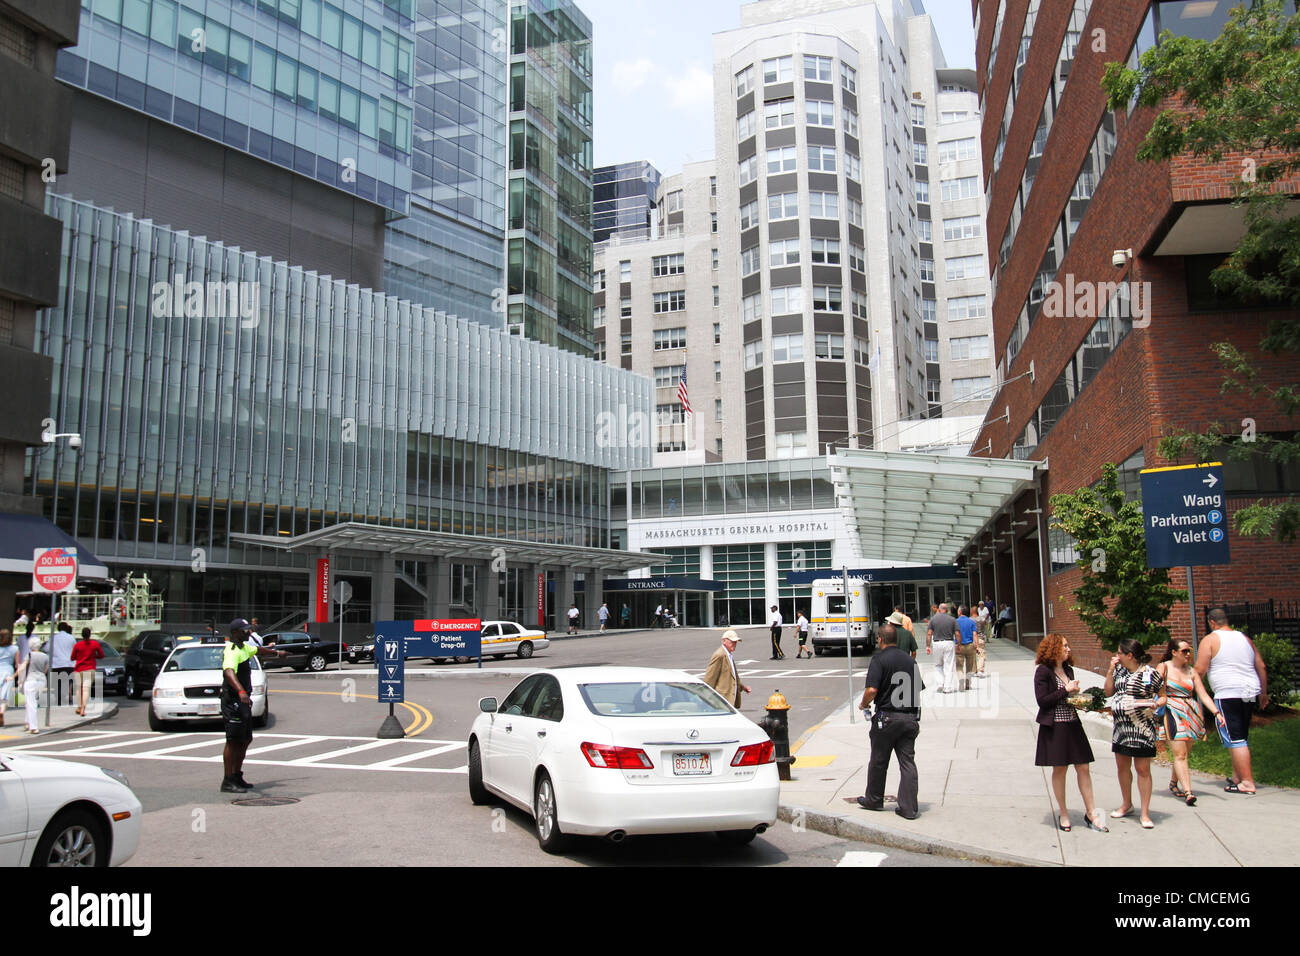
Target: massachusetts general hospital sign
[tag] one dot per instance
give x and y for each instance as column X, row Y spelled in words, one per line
column 739, row 529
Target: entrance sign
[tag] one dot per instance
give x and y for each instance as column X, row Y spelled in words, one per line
column 53, row 569
column 1184, row 515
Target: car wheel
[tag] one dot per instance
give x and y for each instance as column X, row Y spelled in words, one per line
column 736, row 837
column 132, row 688
column 546, row 816
column 463, row 660
column 155, row 723
column 317, row 662
column 478, row 794
column 260, row 722
column 525, row 650
column 73, row 838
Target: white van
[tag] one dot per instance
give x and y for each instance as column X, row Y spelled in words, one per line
column 826, row 620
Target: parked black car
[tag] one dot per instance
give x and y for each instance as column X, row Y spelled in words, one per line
column 113, row 669
column 305, row 652
column 144, row 658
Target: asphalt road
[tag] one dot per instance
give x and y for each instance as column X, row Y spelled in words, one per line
column 341, row 797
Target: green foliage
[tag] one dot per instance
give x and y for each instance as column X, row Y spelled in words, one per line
column 1237, row 93
column 1279, row 660
column 1120, row 597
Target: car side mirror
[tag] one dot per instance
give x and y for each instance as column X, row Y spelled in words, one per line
column 488, row 705
column 167, row 647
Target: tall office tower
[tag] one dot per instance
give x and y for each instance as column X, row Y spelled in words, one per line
column 817, row 203
column 35, row 113
column 658, row 312
column 1104, row 316
column 449, row 252
column 548, row 267
column 623, row 200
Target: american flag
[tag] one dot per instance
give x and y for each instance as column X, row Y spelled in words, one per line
column 682, row 395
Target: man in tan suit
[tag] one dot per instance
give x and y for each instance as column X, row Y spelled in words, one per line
column 721, row 673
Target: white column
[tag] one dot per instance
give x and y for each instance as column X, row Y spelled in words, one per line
column 771, row 580
column 706, row 574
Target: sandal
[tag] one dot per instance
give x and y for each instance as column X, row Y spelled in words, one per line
column 1176, row 790
column 1191, row 800
column 1233, row 788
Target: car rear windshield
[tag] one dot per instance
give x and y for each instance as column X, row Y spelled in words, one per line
column 653, row 699
column 200, row 657
column 108, row 649
column 835, row 604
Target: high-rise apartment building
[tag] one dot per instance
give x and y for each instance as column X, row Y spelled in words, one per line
column 658, row 312
column 1103, row 313
column 623, row 200
column 548, row 267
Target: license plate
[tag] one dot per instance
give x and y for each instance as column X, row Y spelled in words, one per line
column 690, row 765
column 210, row 710
column 835, row 630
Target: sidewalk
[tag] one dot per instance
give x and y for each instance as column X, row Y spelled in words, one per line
column 982, row 798
column 61, row 719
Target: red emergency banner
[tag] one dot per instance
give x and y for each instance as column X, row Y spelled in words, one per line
column 541, row 599
column 457, row 624
column 322, row 589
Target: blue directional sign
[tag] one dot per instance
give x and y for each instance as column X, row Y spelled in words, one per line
column 1185, row 516
column 390, row 659
column 459, row 637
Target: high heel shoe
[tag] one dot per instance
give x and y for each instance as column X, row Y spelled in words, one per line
column 1087, row 818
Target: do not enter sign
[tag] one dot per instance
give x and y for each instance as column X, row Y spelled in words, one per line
column 54, row 569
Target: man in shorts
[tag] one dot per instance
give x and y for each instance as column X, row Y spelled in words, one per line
column 1236, row 671
column 801, row 623
column 236, row 704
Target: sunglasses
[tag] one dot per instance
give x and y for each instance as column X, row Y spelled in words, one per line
column 1184, row 650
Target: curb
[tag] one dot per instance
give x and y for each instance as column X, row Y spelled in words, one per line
column 109, row 710
column 847, row 828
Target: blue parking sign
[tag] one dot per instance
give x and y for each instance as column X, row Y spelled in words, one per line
column 1185, row 516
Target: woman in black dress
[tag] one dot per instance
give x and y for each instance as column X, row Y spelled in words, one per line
column 1061, row 740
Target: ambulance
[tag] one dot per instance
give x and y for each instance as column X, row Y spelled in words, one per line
column 827, row 625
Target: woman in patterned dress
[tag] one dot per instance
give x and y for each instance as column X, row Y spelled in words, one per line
column 1182, row 720
column 1136, row 687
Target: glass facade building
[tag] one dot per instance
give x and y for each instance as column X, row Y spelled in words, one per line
column 450, row 251
column 623, row 200
column 322, row 88
column 220, row 393
column 549, row 237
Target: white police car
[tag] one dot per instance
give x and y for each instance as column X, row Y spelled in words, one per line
column 188, row 687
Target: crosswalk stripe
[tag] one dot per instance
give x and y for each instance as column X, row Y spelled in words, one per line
column 281, row 746
column 412, row 757
column 861, row 858
column 313, row 758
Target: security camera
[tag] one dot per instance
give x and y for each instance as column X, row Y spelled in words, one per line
column 74, row 441
column 1120, row 257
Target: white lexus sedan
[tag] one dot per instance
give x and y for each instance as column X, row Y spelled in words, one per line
column 623, row 751
column 61, row 813
column 188, row 687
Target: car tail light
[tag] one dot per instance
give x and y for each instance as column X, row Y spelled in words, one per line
column 751, row 755
column 345, row 648
column 616, row 758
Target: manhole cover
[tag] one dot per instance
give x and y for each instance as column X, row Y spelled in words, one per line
column 264, row 801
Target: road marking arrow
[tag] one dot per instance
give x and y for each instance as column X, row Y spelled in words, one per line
column 1211, row 480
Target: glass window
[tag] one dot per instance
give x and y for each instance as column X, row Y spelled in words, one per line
column 781, row 159
column 817, row 68
column 822, row 158
column 779, row 113
column 820, row 113
column 782, row 206
column 778, row 70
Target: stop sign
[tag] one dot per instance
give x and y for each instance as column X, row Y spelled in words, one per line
column 54, row 569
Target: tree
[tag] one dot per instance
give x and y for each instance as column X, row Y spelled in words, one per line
column 1120, row 597
column 1239, row 93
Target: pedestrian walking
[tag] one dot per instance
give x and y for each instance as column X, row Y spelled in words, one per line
column 658, row 619
column 983, row 632
column 777, row 653
column 61, row 667
column 84, row 654
column 1182, row 718
column 625, row 616
column 1239, row 679
column 906, row 641
column 603, row 614
column 236, row 703
column 965, row 647
column 894, row 688
column 1136, row 687
column 940, row 636
column 801, row 623
column 22, row 632
column 721, row 673
column 32, row 671
column 907, row 621
column 1062, row 742
column 573, row 619
column 8, row 669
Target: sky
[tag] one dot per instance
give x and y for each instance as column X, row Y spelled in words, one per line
column 653, row 64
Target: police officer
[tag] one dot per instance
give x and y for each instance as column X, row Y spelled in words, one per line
column 894, row 686
column 236, row 704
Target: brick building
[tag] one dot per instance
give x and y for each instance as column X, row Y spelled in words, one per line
column 1070, row 210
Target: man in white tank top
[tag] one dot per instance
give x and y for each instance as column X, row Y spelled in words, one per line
column 1238, row 678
